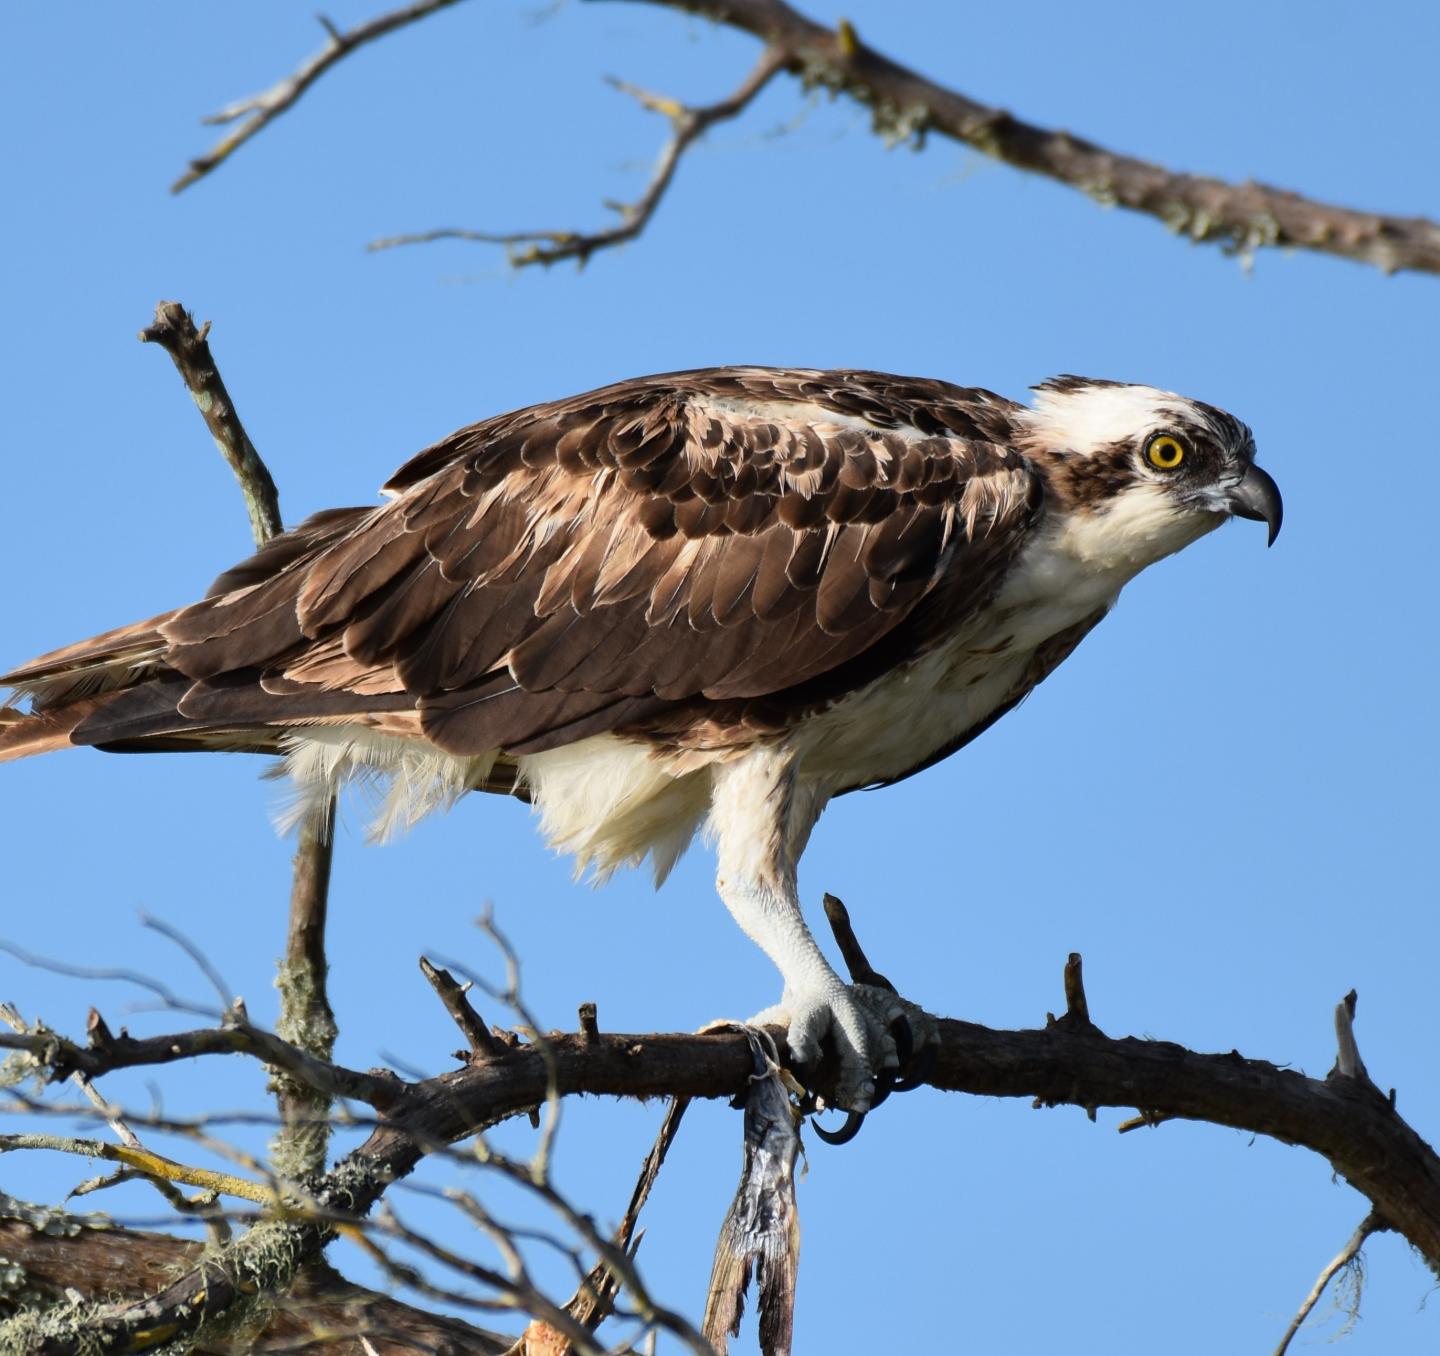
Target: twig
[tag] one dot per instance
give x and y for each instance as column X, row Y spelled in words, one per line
column 1077, row 1006
column 175, row 332
column 591, row 1304
column 145, row 1161
column 472, row 1026
column 259, row 110
column 1373, row 1223
column 1145, row 1120
column 589, row 1017
column 688, row 125
column 107, row 973
column 64, row 1057
column 851, row 952
column 1348, row 1063
column 202, row 962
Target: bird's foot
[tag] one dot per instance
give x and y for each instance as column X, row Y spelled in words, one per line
column 882, row 1042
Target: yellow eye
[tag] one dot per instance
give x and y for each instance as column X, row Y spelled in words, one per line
column 1164, row 452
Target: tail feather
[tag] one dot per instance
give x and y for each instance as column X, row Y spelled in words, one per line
column 104, row 663
column 23, row 734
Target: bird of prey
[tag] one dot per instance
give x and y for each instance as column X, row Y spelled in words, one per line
column 713, row 598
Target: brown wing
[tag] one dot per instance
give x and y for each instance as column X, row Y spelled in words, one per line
column 664, row 544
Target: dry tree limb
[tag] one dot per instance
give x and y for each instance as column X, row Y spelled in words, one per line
column 144, row 1161
column 260, row 110
column 1343, row 1117
column 592, row 1303
column 322, row 1315
column 905, row 105
column 483, row 1045
column 306, row 1019
column 189, row 349
column 687, row 124
column 1373, row 1223
column 63, row 1057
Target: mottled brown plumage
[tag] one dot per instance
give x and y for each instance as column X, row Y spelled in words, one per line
column 714, row 545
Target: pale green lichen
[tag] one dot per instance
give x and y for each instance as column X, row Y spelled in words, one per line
column 26, row 1330
column 44, row 1219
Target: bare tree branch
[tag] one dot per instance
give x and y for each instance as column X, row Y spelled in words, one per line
column 322, row 1315
column 906, row 106
column 175, row 332
column 144, row 1161
column 237, row 1037
column 260, row 110
column 477, row 1035
column 688, row 124
column 1371, row 1224
column 306, row 1020
column 1344, row 1117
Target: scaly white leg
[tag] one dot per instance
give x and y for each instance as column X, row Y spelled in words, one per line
column 761, row 815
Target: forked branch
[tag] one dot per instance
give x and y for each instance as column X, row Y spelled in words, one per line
column 687, row 126
column 906, row 106
column 1343, row 1117
column 259, row 110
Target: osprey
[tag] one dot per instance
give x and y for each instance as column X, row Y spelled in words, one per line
column 718, row 597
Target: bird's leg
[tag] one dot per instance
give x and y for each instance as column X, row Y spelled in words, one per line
column 761, row 818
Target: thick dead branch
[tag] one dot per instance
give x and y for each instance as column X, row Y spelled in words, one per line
column 261, row 109
column 905, row 105
column 688, row 125
column 322, row 1314
column 1344, row 1118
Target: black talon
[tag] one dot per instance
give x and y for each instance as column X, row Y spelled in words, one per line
column 853, row 1121
column 920, row 1072
column 884, row 1086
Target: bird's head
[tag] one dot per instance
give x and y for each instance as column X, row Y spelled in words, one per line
column 1146, row 471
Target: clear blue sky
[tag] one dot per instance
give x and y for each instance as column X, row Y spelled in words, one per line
column 1225, row 800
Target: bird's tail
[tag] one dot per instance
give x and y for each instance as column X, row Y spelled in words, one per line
column 68, row 685
column 23, row 733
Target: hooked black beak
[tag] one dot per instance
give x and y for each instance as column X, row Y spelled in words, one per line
column 1258, row 497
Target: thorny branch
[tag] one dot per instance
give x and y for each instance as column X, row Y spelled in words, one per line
column 906, row 106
